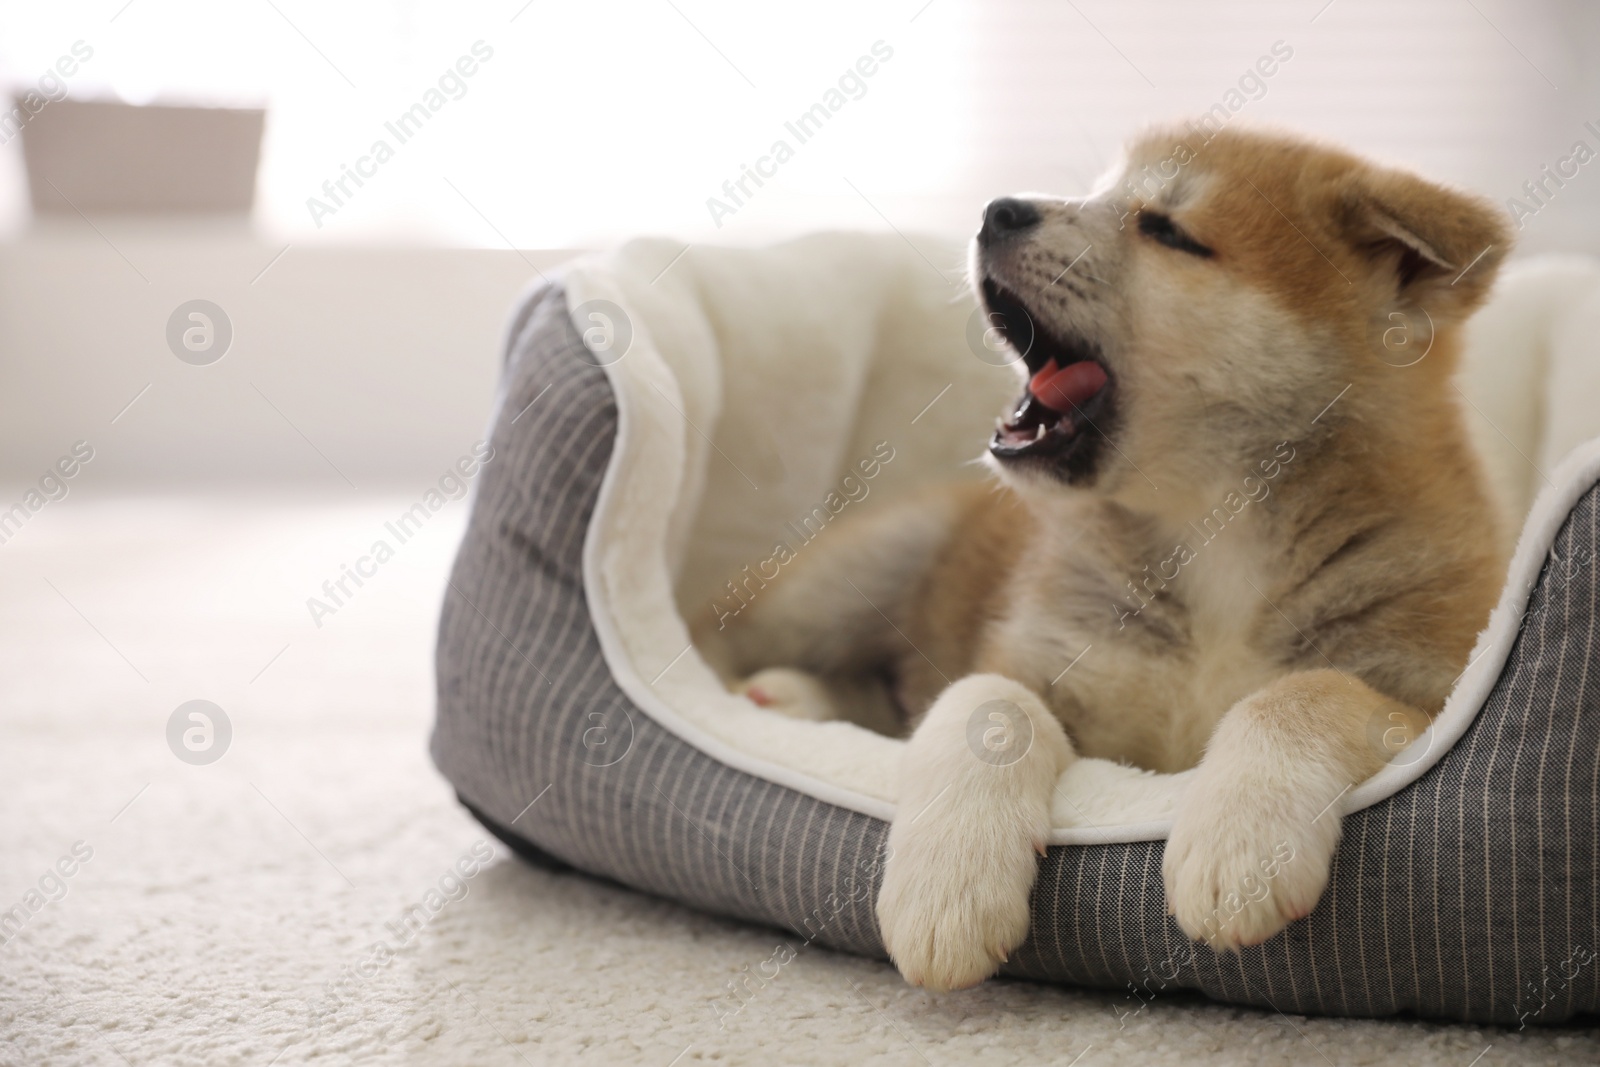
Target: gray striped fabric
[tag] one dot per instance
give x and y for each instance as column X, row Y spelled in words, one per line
column 1471, row 894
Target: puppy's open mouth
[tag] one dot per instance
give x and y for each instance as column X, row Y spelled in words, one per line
column 1068, row 390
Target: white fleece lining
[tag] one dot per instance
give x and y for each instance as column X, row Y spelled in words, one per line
column 636, row 541
column 651, row 465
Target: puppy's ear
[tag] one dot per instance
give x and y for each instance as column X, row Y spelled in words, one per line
column 1441, row 248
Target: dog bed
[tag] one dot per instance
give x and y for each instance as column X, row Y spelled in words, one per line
column 669, row 419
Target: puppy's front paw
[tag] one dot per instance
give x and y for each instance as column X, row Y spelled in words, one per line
column 1246, row 857
column 790, row 692
column 954, row 901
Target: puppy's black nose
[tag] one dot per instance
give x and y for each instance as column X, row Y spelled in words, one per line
column 1007, row 217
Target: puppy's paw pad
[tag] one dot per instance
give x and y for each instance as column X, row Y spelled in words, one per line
column 954, row 905
column 1237, row 874
column 790, row 692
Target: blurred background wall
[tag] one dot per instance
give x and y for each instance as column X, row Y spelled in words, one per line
column 364, row 310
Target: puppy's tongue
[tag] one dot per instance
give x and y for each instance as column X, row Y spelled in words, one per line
column 1064, row 388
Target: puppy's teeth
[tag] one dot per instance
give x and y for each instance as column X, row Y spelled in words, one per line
column 1039, row 432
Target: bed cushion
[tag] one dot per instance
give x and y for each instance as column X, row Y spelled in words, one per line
column 1465, row 886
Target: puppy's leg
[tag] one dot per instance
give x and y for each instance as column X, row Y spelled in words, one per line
column 1255, row 833
column 865, row 701
column 832, row 609
column 971, row 821
column 791, row 692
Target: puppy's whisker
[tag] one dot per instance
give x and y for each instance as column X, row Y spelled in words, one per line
column 1069, row 266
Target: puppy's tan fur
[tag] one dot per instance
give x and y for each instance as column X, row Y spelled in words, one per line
column 1306, row 633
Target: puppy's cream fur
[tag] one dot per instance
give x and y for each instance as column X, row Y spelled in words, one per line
column 1271, row 563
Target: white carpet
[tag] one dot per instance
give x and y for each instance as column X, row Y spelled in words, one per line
column 221, row 900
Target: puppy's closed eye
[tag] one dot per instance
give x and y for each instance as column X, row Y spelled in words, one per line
column 1161, row 229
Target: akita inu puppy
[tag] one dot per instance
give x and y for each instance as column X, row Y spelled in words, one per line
column 1238, row 526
